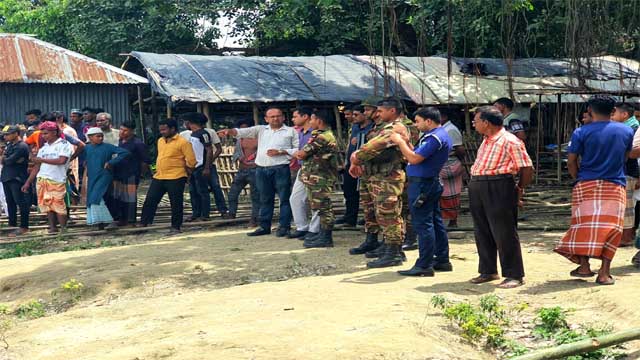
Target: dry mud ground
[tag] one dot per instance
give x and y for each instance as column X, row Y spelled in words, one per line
column 223, row 295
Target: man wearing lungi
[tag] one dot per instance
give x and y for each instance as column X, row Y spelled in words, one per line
column 452, row 173
column 599, row 196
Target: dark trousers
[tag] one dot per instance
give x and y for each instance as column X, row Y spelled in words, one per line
column 494, row 208
column 351, row 198
column 274, row 180
column 16, row 199
column 199, row 192
column 240, row 181
column 433, row 243
column 157, row 189
column 218, row 195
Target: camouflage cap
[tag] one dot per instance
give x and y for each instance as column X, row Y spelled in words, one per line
column 371, row 101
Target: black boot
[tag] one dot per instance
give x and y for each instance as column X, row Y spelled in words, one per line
column 323, row 240
column 377, row 252
column 410, row 241
column 310, row 238
column 391, row 257
column 370, row 243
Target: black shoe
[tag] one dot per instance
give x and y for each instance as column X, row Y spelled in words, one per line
column 361, row 222
column 323, row 240
column 259, row 231
column 309, row 237
column 377, row 252
column 443, row 267
column 417, row 271
column 409, row 246
column 297, row 234
column 390, row 257
column 369, row 244
column 282, row 232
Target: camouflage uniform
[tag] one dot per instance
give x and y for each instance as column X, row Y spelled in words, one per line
column 383, row 166
column 367, row 203
column 414, row 137
column 320, row 172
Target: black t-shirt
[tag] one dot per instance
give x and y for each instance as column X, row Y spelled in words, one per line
column 631, row 167
column 15, row 162
column 515, row 126
column 200, row 147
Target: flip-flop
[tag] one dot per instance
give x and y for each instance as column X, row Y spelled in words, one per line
column 611, row 281
column 576, row 273
column 510, row 283
column 484, row 278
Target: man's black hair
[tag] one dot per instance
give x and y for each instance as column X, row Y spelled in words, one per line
column 392, row 102
column 626, row 107
column 89, row 109
column 35, row 112
column 430, row 113
column 171, row 123
column 195, row 117
column 490, row 114
column 506, row 102
column 129, row 125
column 98, row 110
column 358, row 108
column 601, row 104
column 61, row 114
column 48, row 117
column 303, row 110
column 325, row 116
column 349, row 107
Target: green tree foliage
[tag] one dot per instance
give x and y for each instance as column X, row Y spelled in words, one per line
column 106, row 28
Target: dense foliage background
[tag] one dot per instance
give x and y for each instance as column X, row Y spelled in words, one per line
column 472, row 28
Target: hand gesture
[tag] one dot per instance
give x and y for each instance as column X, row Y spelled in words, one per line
column 273, row 152
column 206, row 173
column 300, row 155
column 353, row 159
column 107, row 166
column 25, row 187
column 396, row 138
column 223, row 133
column 356, row 171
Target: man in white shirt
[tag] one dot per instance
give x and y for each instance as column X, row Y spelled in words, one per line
column 214, row 181
column 276, row 145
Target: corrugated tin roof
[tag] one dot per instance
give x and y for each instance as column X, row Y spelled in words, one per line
column 24, row 59
column 423, row 80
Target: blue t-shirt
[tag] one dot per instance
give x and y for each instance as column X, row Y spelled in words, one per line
column 358, row 138
column 602, row 146
column 434, row 146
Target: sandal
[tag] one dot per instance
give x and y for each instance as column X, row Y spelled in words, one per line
column 510, row 283
column 483, row 278
column 578, row 274
column 611, row 281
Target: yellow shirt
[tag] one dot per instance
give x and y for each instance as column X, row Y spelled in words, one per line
column 174, row 156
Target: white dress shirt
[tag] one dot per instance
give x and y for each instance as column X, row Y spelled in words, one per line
column 285, row 138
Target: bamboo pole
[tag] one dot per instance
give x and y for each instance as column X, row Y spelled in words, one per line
column 538, row 128
column 583, row 346
column 154, row 114
column 141, row 115
column 256, row 114
column 169, row 109
column 207, row 113
column 558, row 139
column 336, row 113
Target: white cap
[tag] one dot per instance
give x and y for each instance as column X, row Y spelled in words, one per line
column 94, row 131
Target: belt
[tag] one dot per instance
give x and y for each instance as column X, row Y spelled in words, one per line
column 417, row 179
column 274, row 166
column 491, row 177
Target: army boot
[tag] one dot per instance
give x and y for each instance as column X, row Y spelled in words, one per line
column 324, row 239
column 370, row 243
column 377, row 252
column 410, row 241
column 391, row 257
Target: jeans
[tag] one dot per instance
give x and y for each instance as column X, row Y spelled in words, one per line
column 199, row 192
column 218, row 195
column 433, row 243
column 157, row 189
column 16, row 199
column 351, row 198
column 274, row 180
column 240, row 181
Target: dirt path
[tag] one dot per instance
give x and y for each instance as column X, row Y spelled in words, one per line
column 226, row 296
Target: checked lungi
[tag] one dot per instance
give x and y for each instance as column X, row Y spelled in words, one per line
column 630, row 208
column 451, row 179
column 597, row 218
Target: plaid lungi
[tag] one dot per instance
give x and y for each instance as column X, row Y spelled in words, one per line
column 98, row 214
column 451, row 179
column 597, row 217
column 629, row 210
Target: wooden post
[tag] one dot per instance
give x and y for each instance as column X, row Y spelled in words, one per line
column 336, row 112
column 538, row 128
column 558, row 140
column 256, row 114
column 141, row 129
column 207, row 113
column 154, row 114
column 467, row 119
column 169, row 109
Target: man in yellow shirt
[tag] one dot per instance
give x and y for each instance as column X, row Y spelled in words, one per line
column 174, row 164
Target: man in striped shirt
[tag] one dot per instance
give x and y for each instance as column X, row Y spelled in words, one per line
column 494, row 198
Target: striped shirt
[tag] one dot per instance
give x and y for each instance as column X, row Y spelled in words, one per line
column 503, row 153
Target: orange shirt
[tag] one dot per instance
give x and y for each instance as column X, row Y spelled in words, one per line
column 503, row 153
column 174, row 156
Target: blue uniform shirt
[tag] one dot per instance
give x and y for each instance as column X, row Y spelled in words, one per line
column 358, row 138
column 602, row 146
column 434, row 146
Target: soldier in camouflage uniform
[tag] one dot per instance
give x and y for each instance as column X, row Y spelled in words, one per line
column 319, row 173
column 367, row 205
column 383, row 162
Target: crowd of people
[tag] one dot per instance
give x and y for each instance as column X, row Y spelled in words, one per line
column 406, row 175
